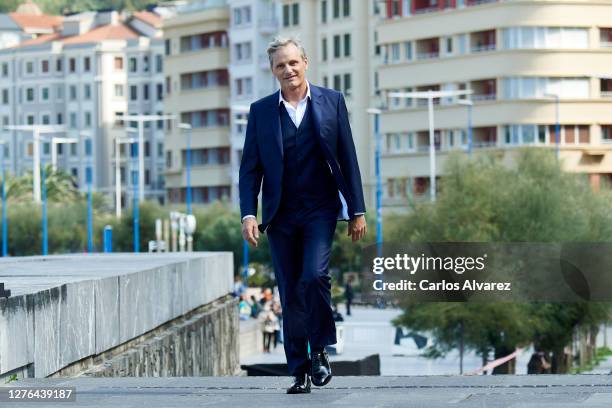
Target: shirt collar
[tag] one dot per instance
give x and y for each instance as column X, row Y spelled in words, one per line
column 281, row 99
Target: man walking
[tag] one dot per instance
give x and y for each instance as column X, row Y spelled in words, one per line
column 299, row 141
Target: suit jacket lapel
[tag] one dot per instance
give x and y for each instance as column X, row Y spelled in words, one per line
column 315, row 96
column 276, row 123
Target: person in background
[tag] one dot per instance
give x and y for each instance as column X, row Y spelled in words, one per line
column 269, row 322
column 348, row 294
column 276, row 308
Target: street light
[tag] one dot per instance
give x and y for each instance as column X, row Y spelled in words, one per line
column 379, row 236
column 4, row 219
column 243, row 109
column 89, row 181
column 430, row 95
column 141, row 119
column 188, row 127
column 557, row 124
column 118, row 142
column 37, row 130
column 469, row 105
column 54, row 142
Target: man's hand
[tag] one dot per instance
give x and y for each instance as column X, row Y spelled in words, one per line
column 357, row 227
column 250, row 232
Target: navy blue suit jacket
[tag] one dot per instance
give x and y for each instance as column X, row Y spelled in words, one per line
column 262, row 156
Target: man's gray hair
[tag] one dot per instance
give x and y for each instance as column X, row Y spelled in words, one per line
column 280, row 42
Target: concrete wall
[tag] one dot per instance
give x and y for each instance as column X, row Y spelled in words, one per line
column 204, row 343
column 67, row 308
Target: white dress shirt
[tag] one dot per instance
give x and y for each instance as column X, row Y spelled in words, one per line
column 296, row 114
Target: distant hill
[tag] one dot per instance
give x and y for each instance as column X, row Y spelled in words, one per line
column 57, row 7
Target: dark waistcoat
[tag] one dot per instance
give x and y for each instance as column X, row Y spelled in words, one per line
column 308, row 185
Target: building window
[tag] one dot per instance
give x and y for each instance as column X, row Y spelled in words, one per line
column 145, row 92
column 44, row 94
column 324, row 11
column 133, row 64
column 59, row 65
column 88, row 147
column 73, row 92
column 72, row 65
column 133, row 92
column 5, row 96
column 291, row 14
column 337, row 46
column 324, row 49
column 30, row 119
column 336, row 7
column 408, row 50
column 167, row 47
column 30, row 94
column 87, row 92
column 73, row 120
column 242, row 51
column 244, row 86
column 87, row 119
column 346, row 8
column 242, row 15
column 295, row 8
column 87, row 64
column 29, row 67
column 5, row 69
column 347, row 84
column 145, row 63
column 44, row 66
column 338, row 82
column 59, row 119
column 160, row 91
column 119, row 90
column 46, row 119
column 206, row 118
column 159, row 63
column 119, row 63
column 347, row 45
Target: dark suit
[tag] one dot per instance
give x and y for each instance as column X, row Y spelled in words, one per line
column 303, row 170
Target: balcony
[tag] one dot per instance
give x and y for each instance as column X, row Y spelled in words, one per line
column 605, row 37
column 483, row 41
column 484, row 90
column 605, row 85
column 428, row 48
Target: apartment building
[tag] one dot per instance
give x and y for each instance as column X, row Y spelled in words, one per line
column 197, row 56
column 530, row 64
column 84, row 76
column 340, row 39
column 253, row 25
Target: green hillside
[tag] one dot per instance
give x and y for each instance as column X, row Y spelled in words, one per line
column 57, row 7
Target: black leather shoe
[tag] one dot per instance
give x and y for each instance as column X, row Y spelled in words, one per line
column 321, row 371
column 301, row 385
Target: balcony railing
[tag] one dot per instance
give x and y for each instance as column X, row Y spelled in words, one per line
column 484, row 97
column 426, row 10
column 483, row 48
column 427, row 55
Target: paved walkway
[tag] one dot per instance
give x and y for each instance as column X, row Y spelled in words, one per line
column 545, row 391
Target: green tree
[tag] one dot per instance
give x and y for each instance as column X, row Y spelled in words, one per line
column 484, row 200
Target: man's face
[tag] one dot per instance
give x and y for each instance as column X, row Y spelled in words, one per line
column 289, row 67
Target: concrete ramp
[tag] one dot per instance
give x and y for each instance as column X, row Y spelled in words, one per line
column 66, row 308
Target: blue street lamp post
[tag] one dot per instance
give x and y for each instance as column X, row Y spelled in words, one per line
column 4, row 219
column 136, row 224
column 45, row 242
column 89, row 177
column 188, row 127
column 469, row 105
